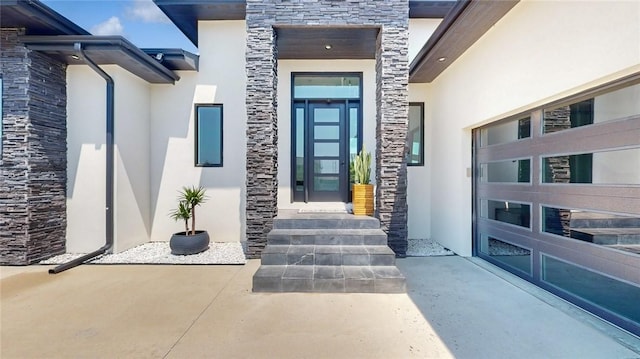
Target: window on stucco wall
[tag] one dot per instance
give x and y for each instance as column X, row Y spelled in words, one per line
column 415, row 135
column 208, row 141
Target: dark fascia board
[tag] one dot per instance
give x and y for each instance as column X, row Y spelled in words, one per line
column 36, row 18
column 175, row 59
column 467, row 22
column 430, row 9
column 103, row 50
column 185, row 14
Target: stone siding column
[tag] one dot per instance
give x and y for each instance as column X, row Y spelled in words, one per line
column 262, row 132
column 34, row 158
column 392, row 103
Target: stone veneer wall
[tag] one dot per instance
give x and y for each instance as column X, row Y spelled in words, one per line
column 34, row 157
column 392, row 67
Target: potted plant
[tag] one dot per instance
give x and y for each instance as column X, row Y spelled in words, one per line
column 362, row 189
column 191, row 241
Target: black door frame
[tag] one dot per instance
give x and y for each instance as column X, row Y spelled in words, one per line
column 304, row 103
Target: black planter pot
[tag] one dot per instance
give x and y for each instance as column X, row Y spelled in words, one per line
column 183, row 244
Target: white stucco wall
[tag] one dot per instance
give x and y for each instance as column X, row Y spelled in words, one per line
column 419, row 177
column 85, row 160
column 86, row 118
column 221, row 80
column 285, row 68
column 540, row 51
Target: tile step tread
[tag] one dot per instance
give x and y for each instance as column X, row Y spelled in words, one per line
column 328, row 248
column 333, row 255
column 329, row 279
column 333, row 231
column 329, row 222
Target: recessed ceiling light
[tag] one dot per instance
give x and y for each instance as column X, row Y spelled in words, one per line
column 328, row 47
column 442, row 59
column 75, row 57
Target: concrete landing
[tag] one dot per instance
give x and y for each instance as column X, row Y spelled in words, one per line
column 454, row 308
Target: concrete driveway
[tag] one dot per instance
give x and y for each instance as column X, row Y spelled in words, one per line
column 455, row 307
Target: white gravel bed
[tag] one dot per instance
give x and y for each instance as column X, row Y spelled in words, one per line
column 426, row 248
column 160, row 253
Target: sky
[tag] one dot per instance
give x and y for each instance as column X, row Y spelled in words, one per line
column 139, row 21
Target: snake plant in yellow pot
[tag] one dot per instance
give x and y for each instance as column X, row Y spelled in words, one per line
column 362, row 189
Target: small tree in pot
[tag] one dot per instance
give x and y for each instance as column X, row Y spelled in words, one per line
column 190, row 241
column 362, row 189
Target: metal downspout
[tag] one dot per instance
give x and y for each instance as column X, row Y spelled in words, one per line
column 109, row 166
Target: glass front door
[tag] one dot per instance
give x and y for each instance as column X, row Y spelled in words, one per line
column 327, row 158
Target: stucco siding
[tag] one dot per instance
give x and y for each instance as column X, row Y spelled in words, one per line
column 220, row 80
column 86, row 186
column 419, row 177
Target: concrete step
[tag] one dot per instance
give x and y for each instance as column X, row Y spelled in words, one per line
column 324, row 221
column 327, row 236
column 329, row 279
column 336, row 255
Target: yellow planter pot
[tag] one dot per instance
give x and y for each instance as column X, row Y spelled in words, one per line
column 363, row 199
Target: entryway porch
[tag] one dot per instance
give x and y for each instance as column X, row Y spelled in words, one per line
column 327, row 251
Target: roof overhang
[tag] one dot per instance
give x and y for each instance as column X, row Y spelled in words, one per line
column 467, row 22
column 319, row 42
column 185, row 14
column 36, row 18
column 103, row 50
column 175, row 59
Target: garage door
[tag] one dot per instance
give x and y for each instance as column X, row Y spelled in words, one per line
column 557, row 199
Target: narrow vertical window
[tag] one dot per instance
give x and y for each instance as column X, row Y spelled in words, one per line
column 415, row 135
column 208, row 135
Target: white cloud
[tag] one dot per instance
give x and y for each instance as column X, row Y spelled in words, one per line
column 109, row 27
column 146, row 11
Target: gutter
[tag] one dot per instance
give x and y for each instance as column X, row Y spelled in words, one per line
column 109, row 167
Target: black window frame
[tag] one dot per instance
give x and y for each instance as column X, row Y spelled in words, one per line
column 422, row 144
column 197, row 130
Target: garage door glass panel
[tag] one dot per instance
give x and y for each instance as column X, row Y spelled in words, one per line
column 510, row 171
column 607, row 167
column 506, row 253
column 609, row 230
column 616, row 105
column 518, row 214
column 606, row 292
column 506, row 132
